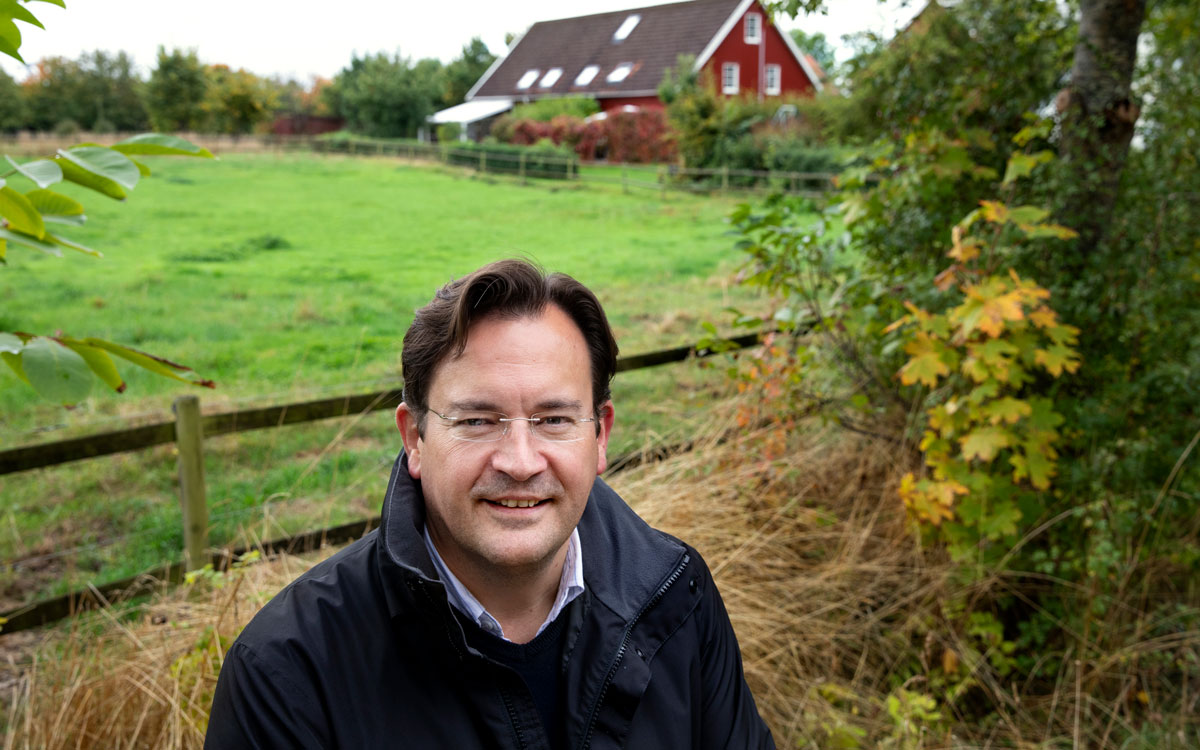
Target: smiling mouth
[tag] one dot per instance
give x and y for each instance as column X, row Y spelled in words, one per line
column 507, row 503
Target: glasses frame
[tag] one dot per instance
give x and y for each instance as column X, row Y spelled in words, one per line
column 505, row 420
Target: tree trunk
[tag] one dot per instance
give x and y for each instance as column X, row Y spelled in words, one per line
column 1098, row 116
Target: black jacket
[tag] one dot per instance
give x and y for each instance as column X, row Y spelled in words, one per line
column 363, row 651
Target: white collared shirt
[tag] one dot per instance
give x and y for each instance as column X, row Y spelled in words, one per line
column 570, row 585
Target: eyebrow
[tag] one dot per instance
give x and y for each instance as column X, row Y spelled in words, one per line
column 485, row 405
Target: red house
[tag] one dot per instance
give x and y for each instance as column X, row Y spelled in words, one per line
column 619, row 58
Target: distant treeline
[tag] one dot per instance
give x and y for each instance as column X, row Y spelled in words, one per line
column 102, row 92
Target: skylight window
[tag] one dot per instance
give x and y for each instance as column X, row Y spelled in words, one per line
column 586, row 75
column 626, row 28
column 550, row 78
column 528, row 79
column 620, row 73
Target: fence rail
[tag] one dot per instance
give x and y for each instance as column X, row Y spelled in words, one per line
column 660, row 177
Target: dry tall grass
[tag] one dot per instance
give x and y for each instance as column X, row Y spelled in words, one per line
column 829, row 590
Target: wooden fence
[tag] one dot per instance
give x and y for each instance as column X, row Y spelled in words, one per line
column 188, row 431
column 657, row 177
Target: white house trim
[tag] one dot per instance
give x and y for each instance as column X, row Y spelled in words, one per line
column 800, row 58
column 722, row 32
column 495, row 64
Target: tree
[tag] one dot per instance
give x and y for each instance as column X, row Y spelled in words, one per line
column 236, row 100
column 462, row 72
column 14, row 115
column 1099, row 115
column 176, row 91
column 385, row 96
column 817, row 46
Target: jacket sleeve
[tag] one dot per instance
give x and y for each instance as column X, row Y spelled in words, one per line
column 730, row 717
column 256, row 705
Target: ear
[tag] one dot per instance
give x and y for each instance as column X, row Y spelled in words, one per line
column 605, row 418
column 410, row 434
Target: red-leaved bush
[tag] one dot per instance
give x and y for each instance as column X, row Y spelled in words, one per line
column 637, row 137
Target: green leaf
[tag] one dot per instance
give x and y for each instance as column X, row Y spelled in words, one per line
column 42, row 172
column 14, row 363
column 1022, row 165
column 99, row 362
column 74, row 245
column 22, row 216
column 80, row 176
column 1057, row 231
column 158, row 144
column 56, row 372
column 1027, row 214
column 10, row 343
column 50, row 202
column 154, row 364
column 104, row 162
column 33, row 242
column 142, row 168
column 20, row 13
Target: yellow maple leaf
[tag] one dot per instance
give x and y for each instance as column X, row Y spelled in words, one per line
column 985, row 442
column 926, row 364
column 1043, row 317
column 994, row 211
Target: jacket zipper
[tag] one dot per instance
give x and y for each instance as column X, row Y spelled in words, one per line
column 612, row 669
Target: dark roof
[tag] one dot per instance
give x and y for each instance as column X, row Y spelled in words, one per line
column 664, row 33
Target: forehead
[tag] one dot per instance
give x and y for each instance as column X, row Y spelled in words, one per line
column 527, row 358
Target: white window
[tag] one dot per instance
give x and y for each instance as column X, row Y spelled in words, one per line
column 772, row 82
column 620, row 73
column 626, row 28
column 586, row 75
column 551, row 77
column 729, row 78
column 753, row 28
column 528, row 79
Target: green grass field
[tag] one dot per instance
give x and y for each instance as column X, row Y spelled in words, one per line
column 285, row 278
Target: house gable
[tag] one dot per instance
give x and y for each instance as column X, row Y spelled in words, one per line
column 792, row 74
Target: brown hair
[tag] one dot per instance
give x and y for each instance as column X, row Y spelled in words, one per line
column 510, row 289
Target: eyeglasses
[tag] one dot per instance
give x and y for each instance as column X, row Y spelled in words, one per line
column 489, row 426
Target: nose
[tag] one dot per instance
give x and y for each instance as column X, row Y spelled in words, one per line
column 519, row 453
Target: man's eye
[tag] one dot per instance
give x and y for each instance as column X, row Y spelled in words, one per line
column 556, row 420
column 476, row 421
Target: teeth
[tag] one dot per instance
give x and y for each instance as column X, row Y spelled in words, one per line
column 517, row 503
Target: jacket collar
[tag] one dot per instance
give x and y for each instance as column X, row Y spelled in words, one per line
column 624, row 560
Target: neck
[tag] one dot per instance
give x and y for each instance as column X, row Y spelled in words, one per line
column 519, row 599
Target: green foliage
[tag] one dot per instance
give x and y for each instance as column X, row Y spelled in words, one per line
column 817, row 46
column 61, row 368
column 464, row 71
column 713, row 131
column 236, row 100
column 13, row 111
column 385, row 96
column 980, row 65
column 96, row 87
column 176, row 91
column 545, row 110
column 10, row 33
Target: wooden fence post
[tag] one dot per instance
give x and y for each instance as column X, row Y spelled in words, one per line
column 482, row 160
column 725, row 179
column 189, row 440
column 523, row 180
column 624, row 179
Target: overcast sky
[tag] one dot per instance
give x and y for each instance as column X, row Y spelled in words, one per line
column 299, row 38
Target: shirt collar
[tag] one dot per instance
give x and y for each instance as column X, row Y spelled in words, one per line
column 570, row 585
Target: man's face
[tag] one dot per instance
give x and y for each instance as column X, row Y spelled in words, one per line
column 517, row 367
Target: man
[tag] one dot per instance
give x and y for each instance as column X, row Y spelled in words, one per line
column 509, row 599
